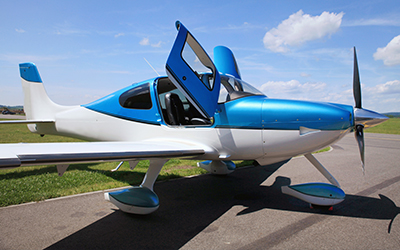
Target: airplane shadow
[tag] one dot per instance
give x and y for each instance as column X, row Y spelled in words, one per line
column 189, row 205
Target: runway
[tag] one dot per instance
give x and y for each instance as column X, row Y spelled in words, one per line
column 244, row 210
column 13, row 117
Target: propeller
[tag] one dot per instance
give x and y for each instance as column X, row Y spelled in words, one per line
column 359, row 128
column 356, row 82
column 363, row 118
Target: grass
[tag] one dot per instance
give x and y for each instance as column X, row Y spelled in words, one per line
column 391, row 126
column 38, row 183
column 42, row 182
column 14, row 133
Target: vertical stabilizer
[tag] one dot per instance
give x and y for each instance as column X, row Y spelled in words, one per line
column 225, row 61
column 37, row 104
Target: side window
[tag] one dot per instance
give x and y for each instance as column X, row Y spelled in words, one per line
column 225, row 91
column 223, row 94
column 137, row 98
column 198, row 65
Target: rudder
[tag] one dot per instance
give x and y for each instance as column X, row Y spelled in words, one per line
column 37, row 104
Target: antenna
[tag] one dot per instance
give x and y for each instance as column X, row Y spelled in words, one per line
column 151, row 66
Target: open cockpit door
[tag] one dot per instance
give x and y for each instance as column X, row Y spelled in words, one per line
column 193, row 72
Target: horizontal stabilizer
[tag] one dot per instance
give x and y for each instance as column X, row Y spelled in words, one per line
column 26, row 121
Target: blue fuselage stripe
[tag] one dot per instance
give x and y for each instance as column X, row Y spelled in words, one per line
column 124, row 117
column 251, row 112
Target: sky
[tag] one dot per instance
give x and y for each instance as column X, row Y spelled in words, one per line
column 303, row 50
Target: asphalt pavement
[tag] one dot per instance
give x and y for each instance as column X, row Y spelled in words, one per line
column 245, row 210
column 13, row 117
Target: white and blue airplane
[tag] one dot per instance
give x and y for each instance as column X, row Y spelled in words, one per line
column 201, row 110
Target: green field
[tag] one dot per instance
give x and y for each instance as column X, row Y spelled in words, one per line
column 25, row 184
column 391, row 126
column 38, row 183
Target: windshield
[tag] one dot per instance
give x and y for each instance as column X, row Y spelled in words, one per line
column 233, row 88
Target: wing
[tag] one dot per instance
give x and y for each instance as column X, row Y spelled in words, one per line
column 28, row 154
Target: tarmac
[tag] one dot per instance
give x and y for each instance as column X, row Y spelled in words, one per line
column 13, row 117
column 244, row 210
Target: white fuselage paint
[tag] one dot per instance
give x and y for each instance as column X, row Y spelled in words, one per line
column 265, row 146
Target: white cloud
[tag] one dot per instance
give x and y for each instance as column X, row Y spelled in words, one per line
column 145, row 41
column 309, row 91
column 390, row 55
column 373, row 22
column 239, row 28
column 20, row 30
column 67, row 29
column 119, row 34
column 293, row 89
column 300, row 28
column 383, row 97
column 388, row 88
column 157, row 45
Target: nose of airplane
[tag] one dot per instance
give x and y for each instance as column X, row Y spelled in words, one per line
column 368, row 118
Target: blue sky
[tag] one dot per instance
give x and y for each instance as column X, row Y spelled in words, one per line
column 288, row 49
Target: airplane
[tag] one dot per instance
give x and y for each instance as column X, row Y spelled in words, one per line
column 201, row 110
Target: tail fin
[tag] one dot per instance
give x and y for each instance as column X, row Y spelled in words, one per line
column 39, row 109
column 225, row 61
column 37, row 104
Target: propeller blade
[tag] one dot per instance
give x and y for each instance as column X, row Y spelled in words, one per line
column 356, row 82
column 359, row 134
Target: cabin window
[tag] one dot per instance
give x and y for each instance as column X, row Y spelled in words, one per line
column 137, row 98
column 233, row 88
column 202, row 64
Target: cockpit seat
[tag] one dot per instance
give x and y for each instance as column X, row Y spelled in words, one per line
column 175, row 111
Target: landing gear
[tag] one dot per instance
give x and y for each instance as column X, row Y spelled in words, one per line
column 218, row 167
column 317, row 194
column 139, row 199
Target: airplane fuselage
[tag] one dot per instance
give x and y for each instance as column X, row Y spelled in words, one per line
column 252, row 127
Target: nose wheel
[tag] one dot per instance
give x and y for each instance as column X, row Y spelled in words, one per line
column 317, row 194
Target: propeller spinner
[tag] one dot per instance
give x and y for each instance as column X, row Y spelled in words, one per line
column 363, row 118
